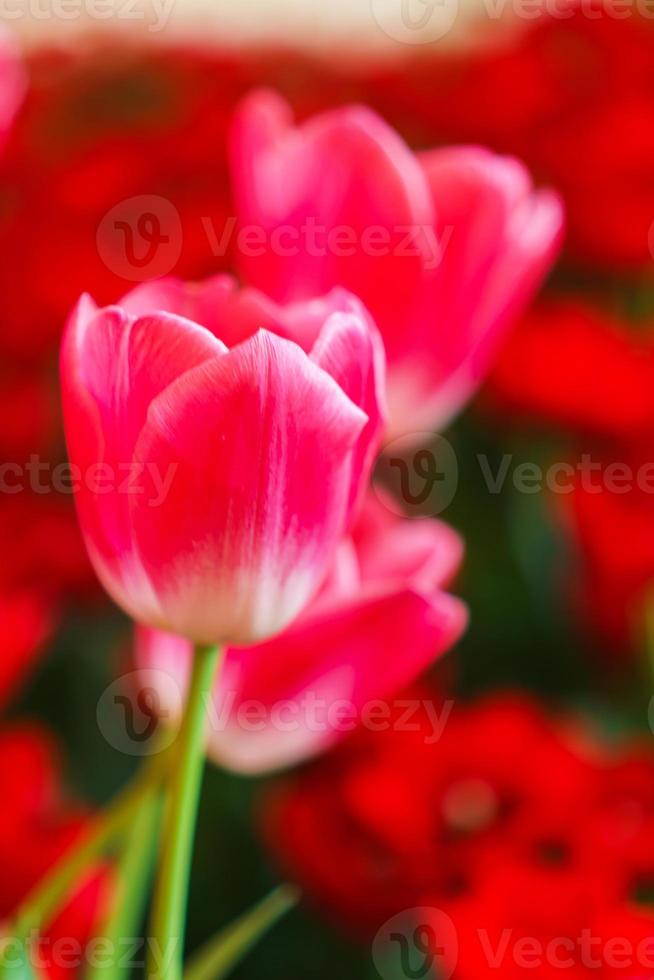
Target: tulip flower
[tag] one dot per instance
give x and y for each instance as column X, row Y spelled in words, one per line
column 12, row 83
column 444, row 248
column 220, row 463
column 381, row 618
column 267, row 421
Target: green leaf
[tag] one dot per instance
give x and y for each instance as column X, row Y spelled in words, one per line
column 226, row 949
column 14, row 960
column 133, row 875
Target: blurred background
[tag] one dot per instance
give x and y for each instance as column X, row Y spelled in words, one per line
column 123, row 100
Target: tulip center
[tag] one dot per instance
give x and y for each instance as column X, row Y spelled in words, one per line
column 469, row 805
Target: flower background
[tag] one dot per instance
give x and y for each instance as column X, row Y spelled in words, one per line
column 557, row 583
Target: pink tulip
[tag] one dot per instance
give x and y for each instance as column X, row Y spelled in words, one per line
column 12, row 83
column 444, row 248
column 220, row 455
column 381, row 618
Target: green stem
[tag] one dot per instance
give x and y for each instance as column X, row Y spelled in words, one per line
column 166, row 936
column 43, row 902
column 222, row 952
column 648, row 620
column 134, row 873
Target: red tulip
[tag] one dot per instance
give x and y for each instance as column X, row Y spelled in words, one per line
column 534, row 826
column 573, row 365
column 612, row 527
column 444, row 248
column 571, row 93
column 381, row 618
column 26, row 620
column 246, row 450
column 37, row 827
column 48, row 569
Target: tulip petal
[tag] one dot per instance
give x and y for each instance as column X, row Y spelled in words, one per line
column 444, row 249
column 349, row 348
column 231, row 314
column 260, row 443
column 12, row 82
column 112, row 367
column 124, row 363
column 499, row 238
column 292, row 697
column 328, row 671
column 427, row 553
column 341, row 198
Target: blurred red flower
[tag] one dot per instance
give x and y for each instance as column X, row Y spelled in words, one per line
column 572, row 94
column 508, row 820
column 37, row 825
column 573, row 365
column 96, row 131
column 26, row 618
column 48, row 568
column 614, row 533
column 590, row 374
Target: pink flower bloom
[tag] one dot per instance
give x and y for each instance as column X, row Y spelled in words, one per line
column 381, row 618
column 12, row 83
column 219, row 462
column 445, row 248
